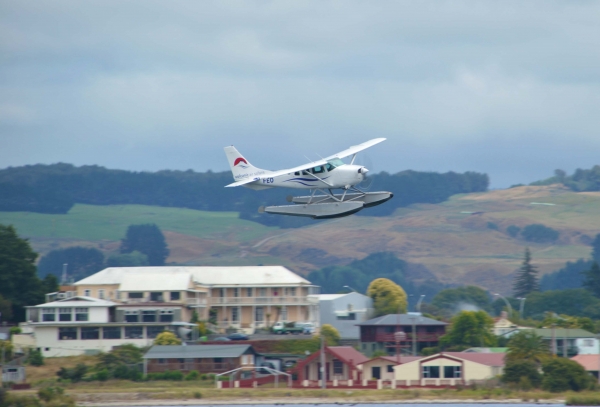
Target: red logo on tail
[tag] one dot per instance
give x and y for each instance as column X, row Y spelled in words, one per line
column 239, row 160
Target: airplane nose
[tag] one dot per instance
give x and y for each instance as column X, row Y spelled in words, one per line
column 363, row 170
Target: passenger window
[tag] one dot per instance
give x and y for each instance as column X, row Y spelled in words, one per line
column 297, row 173
column 304, row 172
column 329, row 167
column 318, row 170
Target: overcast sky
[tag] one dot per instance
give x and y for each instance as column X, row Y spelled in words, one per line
column 507, row 88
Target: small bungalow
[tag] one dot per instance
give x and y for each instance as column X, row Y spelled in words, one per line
column 202, row 358
column 341, row 363
column 590, row 362
column 449, row 369
column 382, row 367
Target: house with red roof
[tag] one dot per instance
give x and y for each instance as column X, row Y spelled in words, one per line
column 382, row 367
column 449, row 369
column 591, row 363
column 341, row 364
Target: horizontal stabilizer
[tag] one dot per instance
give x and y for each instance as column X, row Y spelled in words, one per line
column 240, row 183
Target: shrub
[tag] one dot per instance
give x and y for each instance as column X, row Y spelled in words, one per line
column 35, row 358
column 516, row 371
column 102, row 375
column 492, row 225
column 193, row 375
column 539, row 233
column 197, row 395
column 74, row 374
column 513, row 231
column 203, row 376
column 562, row 374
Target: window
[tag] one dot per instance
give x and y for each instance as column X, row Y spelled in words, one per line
column 235, row 314
column 48, row 314
column 275, row 292
column 175, row 295
column 88, row 333
column 452, row 372
column 297, row 173
column 111, row 332
column 166, row 315
column 149, row 316
column 221, row 292
column 248, row 292
column 136, row 295
column 67, row 334
column 263, row 292
column 87, row 293
column 318, row 170
column 260, row 314
column 153, row 331
column 218, row 360
column 431, row 372
column 134, row 332
column 284, row 313
column 162, row 361
column 132, row 316
column 101, row 294
column 65, row 314
column 390, row 368
column 338, row 366
column 588, row 342
column 118, row 295
column 236, row 292
column 292, row 291
column 156, row 296
column 247, row 359
column 350, row 317
column 81, row 314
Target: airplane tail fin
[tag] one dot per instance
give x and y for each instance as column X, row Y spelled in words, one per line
column 240, row 167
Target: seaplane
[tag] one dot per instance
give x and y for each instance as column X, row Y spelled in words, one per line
column 323, row 176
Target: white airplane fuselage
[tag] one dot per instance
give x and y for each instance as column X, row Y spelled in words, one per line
column 319, row 177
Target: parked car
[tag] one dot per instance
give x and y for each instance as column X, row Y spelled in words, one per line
column 308, row 328
column 287, row 328
column 238, row 337
column 221, row 338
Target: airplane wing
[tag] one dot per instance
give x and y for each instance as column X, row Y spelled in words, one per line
column 239, row 183
column 341, row 154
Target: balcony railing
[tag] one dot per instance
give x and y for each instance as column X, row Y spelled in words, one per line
column 421, row 337
column 196, row 301
column 283, row 300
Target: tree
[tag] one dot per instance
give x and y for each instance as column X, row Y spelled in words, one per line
column 5, row 309
column 562, row 374
column 576, row 302
column 35, row 357
column 513, row 230
column 82, row 262
column 146, row 239
column 516, row 370
column 330, row 335
column 592, row 279
column 539, row 234
column 388, row 297
column 19, row 283
column 469, row 328
column 133, row 259
column 526, row 345
column 526, row 280
column 50, row 284
column 167, row 338
column 596, row 248
column 452, row 299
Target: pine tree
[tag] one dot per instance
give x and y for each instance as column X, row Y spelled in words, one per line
column 592, row 279
column 526, row 280
column 596, row 248
column 146, row 239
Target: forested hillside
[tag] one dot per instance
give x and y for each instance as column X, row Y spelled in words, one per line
column 580, row 181
column 56, row 188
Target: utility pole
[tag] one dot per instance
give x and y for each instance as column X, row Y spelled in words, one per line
column 414, row 336
column 323, row 372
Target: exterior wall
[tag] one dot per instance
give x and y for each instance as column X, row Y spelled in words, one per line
column 110, row 291
column 408, row 371
column 312, row 369
column 202, row 365
column 470, row 370
column 367, row 369
column 47, row 339
column 353, row 303
column 587, row 346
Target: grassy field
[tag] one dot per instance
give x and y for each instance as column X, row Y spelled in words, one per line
column 94, row 223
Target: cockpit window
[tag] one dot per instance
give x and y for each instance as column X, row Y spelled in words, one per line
column 336, row 162
column 318, row 170
column 329, row 167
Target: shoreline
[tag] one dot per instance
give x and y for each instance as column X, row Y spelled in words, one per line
column 303, row 401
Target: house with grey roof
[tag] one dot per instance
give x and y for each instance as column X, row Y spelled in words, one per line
column 201, row 358
column 378, row 334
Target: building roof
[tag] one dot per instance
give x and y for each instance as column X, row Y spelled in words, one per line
column 402, row 319
column 348, row 354
column 394, row 359
column 164, row 280
column 79, row 301
column 218, row 276
column 559, row 333
column 591, row 363
column 486, row 350
column 196, row 351
column 489, row 359
column 328, row 297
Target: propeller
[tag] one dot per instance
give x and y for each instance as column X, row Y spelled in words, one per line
column 367, row 183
